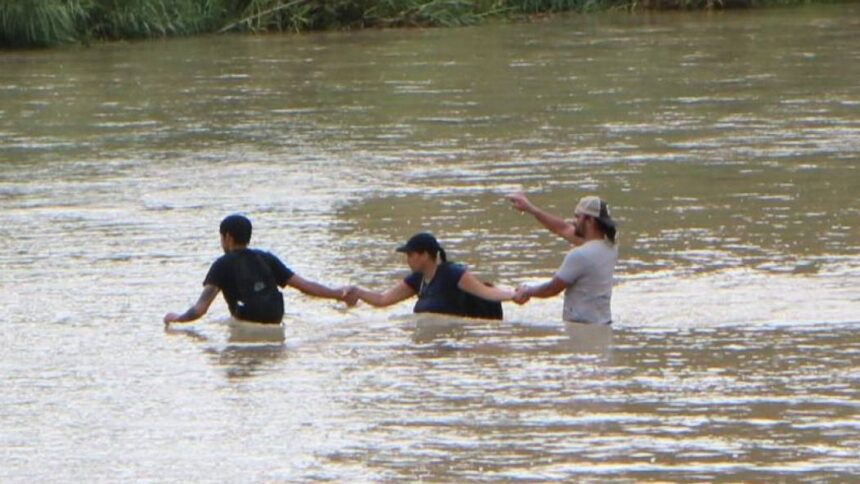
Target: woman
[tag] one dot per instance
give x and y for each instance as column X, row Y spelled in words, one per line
column 442, row 287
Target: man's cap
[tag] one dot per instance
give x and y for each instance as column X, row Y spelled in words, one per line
column 589, row 205
column 421, row 242
column 596, row 208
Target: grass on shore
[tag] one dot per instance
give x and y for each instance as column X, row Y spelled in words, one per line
column 38, row 23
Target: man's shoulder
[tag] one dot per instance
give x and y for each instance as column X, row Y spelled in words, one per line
column 265, row 254
column 577, row 252
column 584, row 253
column 262, row 252
column 594, row 246
column 219, row 270
column 223, row 259
column 282, row 272
column 230, row 258
column 595, row 253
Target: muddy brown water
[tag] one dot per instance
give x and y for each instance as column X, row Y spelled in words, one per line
column 728, row 145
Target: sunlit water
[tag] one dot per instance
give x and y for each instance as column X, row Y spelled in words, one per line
column 728, row 145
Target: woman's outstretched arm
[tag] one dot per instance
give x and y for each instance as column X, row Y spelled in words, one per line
column 475, row 287
column 381, row 299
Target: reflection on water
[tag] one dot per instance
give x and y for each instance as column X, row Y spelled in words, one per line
column 444, row 334
column 432, row 328
column 249, row 348
column 726, row 143
column 529, row 404
column 243, row 332
column 589, row 338
column 247, row 361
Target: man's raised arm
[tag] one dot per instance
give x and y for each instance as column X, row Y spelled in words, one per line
column 553, row 223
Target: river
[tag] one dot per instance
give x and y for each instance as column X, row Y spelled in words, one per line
column 728, row 147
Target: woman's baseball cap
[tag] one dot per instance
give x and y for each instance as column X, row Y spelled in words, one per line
column 421, row 242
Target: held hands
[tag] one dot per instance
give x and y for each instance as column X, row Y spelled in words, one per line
column 522, row 295
column 349, row 295
column 520, row 202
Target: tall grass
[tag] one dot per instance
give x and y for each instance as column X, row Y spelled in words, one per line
column 261, row 15
column 258, row 15
column 47, row 22
column 152, row 18
column 40, row 22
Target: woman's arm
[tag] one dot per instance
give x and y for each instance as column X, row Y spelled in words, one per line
column 381, row 299
column 475, row 287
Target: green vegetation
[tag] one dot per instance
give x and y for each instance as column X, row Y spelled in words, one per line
column 32, row 23
column 151, row 18
column 40, row 23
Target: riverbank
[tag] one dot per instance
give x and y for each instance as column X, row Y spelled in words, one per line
column 44, row 23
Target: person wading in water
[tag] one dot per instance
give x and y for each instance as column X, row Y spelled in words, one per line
column 442, row 287
column 586, row 274
column 250, row 279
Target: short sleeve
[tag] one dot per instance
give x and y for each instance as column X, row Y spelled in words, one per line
column 414, row 281
column 215, row 276
column 281, row 272
column 571, row 268
column 455, row 273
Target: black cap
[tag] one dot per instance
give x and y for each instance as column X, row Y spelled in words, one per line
column 422, row 242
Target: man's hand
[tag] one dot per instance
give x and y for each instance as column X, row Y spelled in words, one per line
column 520, row 202
column 170, row 318
column 553, row 223
column 522, row 296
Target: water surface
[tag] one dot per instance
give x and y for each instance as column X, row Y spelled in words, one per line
column 726, row 143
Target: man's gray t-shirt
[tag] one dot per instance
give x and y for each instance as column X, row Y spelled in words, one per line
column 588, row 271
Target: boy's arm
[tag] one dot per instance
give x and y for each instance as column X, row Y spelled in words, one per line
column 315, row 289
column 197, row 310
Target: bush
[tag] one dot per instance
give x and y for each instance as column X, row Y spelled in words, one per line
column 40, row 22
column 118, row 19
column 31, row 23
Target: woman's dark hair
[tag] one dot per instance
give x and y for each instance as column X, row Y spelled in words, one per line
column 433, row 252
column 238, row 226
column 441, row 253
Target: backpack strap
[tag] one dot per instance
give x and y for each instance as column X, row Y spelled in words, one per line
column 267, row 271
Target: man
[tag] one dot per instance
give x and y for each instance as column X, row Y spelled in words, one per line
column 587, row 271
column 249, row 279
